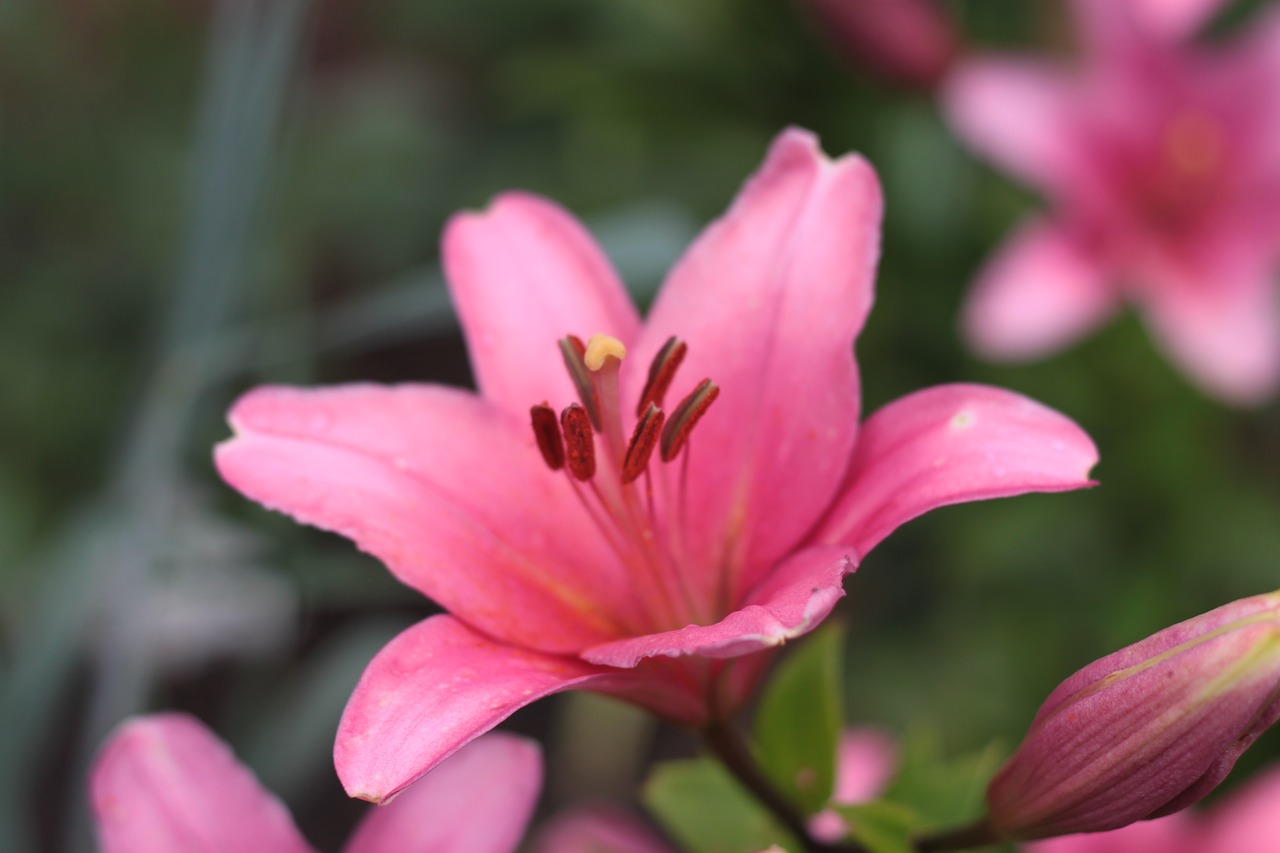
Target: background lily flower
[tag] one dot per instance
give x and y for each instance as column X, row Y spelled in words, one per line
column 633, row 554
column 1145, row 731
column 165, row 783
column 1158, row 157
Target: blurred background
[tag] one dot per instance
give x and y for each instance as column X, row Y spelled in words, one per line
column 198, row 196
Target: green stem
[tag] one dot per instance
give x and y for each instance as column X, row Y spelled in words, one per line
column 728, row 746
column 979, row 834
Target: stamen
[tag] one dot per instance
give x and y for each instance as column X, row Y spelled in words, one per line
column 661, row 372
column 686, row 417
column 572, row 349
column 546, row 431
column 600, row 347
column 603, row 359
column 579, row 442
column 643, row 440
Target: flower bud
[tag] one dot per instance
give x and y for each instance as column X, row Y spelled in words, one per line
column 1145, row 731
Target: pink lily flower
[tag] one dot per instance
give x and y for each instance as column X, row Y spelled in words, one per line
column 165, row 782
column 1160, row 158
column 1247, row 821
column 630, row 546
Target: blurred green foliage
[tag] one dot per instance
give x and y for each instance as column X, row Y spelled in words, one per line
column 643, row 117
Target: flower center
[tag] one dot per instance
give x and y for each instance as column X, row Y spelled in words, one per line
column 610, row 467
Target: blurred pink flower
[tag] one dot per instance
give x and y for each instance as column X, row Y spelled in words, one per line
column 583, row 559
column 908, row 42
column 1246, row 821
column 1161, row 160
column 1145, row 731
column 165, row 783
column 864, row 765
column 598, row 829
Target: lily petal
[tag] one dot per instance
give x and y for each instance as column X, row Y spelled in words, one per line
column 950, row 444
column 1018, row 112
column 1176, row 833
column 1039, row 293
column 412, row 475
column 1248, row 821
column 1225, row 333
column 794, row 257
column 789, row 603
column 432, row 689
column 524, row 274
column 165, row 783
column 478, row 800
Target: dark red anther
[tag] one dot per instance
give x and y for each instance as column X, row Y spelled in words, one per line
column 572, row 349
column 643, row 440
column 546, row 431
column 661, row 371
column 579, row 442
column 686, row 417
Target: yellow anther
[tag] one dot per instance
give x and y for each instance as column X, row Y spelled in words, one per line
column 601, row 347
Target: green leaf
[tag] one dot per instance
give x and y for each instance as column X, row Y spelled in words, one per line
column 942, row 791
column 882, row 827
column 799, row 720
column 707, row 811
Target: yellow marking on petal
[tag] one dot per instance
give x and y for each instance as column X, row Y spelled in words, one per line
column 962, row 419
column 601, row 347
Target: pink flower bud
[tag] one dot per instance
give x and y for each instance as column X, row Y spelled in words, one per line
column 1145, row 731
column 905, row 42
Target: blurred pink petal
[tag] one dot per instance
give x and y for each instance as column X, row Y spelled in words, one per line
column 864, row 765
column 1226, row 337
column 1039, row 293
column 631, row 545
column 166, row 783
column 429, row 691
column 1247, row 820
column 598, row 830
column 478, row 800
column 948, row 444
column 1161, row 159
column 1017, row 111
column 1177, row 833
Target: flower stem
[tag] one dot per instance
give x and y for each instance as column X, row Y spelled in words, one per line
column 965, row 838
column 725, row 741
